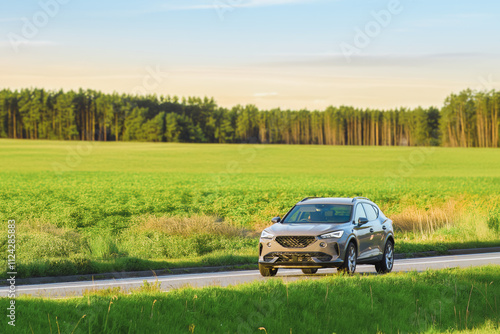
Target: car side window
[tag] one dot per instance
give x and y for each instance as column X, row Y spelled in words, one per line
column 370, row 212
column 376, row 210
column 360, row 212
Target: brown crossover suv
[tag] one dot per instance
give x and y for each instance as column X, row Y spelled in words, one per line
column 325, row 233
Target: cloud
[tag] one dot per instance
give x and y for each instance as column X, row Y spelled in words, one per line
column 455, row 19
column 183, row 5
column 375, row 60
column 265, row 94
column 27, row 43
column 214, row 4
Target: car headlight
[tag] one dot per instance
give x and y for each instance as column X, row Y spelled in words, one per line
column 266, row 235
column 336, row 234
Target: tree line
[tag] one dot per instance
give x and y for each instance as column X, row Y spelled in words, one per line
column 467, row 119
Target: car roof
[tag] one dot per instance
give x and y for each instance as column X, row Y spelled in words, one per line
column 332, row 200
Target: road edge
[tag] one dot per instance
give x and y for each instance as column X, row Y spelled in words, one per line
column 447, row 252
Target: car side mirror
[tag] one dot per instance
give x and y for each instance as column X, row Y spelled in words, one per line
column 362, row 221
column 276, row 220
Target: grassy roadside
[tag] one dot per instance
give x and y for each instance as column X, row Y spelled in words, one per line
column 168, row 243
column 451, row 300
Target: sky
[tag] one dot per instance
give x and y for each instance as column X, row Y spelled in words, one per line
column 272, row 53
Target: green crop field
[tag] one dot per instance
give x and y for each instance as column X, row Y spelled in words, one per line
column 84, row 207
column 450, row 300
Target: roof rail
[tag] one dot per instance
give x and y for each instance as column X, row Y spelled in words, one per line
column 306, row 198
column 360, row 197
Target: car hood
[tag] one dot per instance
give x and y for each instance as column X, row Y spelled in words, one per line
column 303, row 229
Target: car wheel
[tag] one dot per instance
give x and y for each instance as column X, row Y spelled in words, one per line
column 385, row 266
column 349, row 265
column 310, row 271
column 267, row 271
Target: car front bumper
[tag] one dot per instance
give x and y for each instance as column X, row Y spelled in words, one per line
column 321, row 253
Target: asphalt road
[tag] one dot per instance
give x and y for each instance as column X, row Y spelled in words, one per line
column 59, row 290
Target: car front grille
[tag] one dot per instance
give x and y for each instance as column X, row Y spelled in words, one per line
column 295, row 241
column 283, row 257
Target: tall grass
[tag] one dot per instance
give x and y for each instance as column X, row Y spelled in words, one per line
column 103, row 246
column 186, row 226
column 453, row 224
column 427, row 220
column 149, row 243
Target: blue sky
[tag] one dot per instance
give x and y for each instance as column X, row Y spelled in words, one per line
column 273, row 53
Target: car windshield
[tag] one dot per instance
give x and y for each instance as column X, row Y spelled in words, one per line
column 319, row 213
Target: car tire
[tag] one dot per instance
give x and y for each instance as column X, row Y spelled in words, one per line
column 267, row 271
column 309, row 271
column 351, row 257
column 385, row 266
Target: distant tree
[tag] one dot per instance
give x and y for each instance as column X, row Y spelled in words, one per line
column 172, row 128
column 467, row 119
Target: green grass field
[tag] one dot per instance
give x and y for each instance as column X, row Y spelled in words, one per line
column 451, row 300
column 84, row 207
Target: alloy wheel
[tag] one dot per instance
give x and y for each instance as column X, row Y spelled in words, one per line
column 389, row 256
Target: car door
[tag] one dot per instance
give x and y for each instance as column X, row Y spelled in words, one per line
column 376, row 231
column 363, row 232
